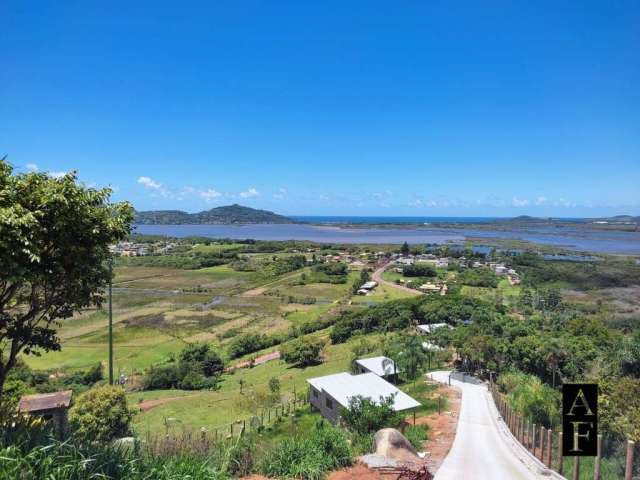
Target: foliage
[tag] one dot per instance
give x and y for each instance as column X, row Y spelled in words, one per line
column 302, row 352
column 101, row 414
column 528, row 396
column 89, row 460
column 249, row 343
column 417, row 435
column 310, row 456
column 337, row 268
column 478, row 277
column 365, row 415
column 419, row 270
column 54, row 245
column 198, row 367
column 407, row 353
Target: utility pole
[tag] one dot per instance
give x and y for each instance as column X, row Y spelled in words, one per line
column 110, row 322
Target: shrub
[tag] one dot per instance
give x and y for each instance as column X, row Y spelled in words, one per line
column 302, row 352
column 248, row 343
column 101, row 414
column 366, row 416
column 161, row 377
column 419, row 270
column 205, row 360
column 308, row 457
column 416, row 434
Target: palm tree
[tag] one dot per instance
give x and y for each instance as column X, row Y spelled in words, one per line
column 553, row 353
column 409, row 356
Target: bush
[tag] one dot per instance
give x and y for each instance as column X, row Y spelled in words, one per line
column 416, row 434
column 205, row 360
column 161, row 377
column 308, row 457
column 249, row 343
column 366, row 416
column 419, row 270
column 101, row 414
column 478, row 277
column 302, row 352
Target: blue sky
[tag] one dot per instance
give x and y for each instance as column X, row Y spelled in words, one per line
column 353, row 108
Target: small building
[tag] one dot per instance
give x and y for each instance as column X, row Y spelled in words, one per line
column 381, row 366
column 367, row 287
column 331, row 393
column 51, row 406
column 432, row 327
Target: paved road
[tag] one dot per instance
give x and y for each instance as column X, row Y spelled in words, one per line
column 377, row 277
column 479, row 450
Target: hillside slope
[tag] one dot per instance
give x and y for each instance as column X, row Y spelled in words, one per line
column 227, row 215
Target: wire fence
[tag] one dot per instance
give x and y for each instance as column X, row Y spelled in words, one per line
column 546, row 445
column 177, row 440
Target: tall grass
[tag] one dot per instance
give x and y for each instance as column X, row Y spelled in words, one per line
column 308, row 457
column 67, row 461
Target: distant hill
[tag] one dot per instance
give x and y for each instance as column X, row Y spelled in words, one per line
column 227, row 215
column 527, row 219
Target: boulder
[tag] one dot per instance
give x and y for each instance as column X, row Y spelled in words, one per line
column 390, row 443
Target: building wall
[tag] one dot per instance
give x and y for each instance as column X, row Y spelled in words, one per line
column 328, row 407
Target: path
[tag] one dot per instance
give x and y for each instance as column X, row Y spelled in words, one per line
column 377, row 277
column 482, row 449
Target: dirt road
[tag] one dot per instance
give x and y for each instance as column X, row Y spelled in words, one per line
column 377, row 277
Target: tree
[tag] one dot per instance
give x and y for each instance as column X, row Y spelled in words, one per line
column 274, row 385
column 101, row 414
column 408, row 355
column 302, row 352
column 54, row 249
column 404, row 250
column 365, row 415
column 201, row 358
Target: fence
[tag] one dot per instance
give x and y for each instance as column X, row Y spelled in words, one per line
column 546, row 446
column 204, row 438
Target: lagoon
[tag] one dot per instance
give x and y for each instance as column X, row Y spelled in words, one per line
column 572, row 239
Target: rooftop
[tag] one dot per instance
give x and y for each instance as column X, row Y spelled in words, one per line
column 44, row 401
column 343, row 386
column 381, row 366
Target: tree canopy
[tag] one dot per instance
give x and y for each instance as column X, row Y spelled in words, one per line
column 54, row 246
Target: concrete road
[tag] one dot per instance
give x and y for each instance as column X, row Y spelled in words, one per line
column 480, row 450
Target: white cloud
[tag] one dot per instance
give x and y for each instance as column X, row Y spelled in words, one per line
column 210, row 194
column 415, row 203
column 252, row 192
column 32, row 167
column 517, row 202
column 148, row 182
column 280, row 194
column 541, row 200
column 57, row 174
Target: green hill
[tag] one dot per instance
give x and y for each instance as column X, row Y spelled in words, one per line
column 230, row 214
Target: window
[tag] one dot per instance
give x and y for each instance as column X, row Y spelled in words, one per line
column 329, row 403
column 315, row 393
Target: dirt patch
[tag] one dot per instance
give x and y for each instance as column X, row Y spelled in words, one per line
column 254, row 292
column 359, row 472
column 442, row 428
column 149, row 404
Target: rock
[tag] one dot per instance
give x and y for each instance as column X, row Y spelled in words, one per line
column 390, row 443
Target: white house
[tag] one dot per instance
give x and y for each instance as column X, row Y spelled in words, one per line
column 381, row 366
column 332, row 392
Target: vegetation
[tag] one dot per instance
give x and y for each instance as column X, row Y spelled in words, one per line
column 302, row 352
column 365, row 416
column 478, row 277
column 419, row 270
column 101, row 414
column 54, row 249
column 198, row 367
column 308, row 456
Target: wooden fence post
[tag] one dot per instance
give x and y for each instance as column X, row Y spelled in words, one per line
column 560, row 457
column 596, row 463
column 542, row 435
column 549, row 447
column 628, row 471
column 534, row 431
